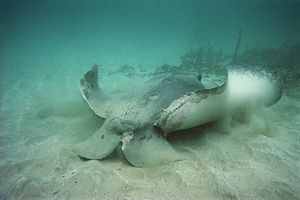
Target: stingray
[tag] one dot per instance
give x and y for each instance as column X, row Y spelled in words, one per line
column 140, row 119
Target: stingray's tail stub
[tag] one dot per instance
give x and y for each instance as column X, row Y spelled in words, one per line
column 92, row 93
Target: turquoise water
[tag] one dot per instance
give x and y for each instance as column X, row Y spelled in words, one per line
column 47, row 46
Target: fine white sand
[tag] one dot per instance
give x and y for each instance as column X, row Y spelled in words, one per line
column 43, row 115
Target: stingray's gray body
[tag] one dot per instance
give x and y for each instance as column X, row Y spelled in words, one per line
column 138, row 119
column 130, row 118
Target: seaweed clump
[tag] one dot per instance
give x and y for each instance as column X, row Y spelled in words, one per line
column 203, row 60
column 126, row 70
column 167, row 69
column 196, row 61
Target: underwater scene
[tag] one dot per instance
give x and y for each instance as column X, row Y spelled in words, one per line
column 157, row 99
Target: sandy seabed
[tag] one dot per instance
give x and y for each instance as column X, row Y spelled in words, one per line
column 42, row 116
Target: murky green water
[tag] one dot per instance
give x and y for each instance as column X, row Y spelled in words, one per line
column 46, row 47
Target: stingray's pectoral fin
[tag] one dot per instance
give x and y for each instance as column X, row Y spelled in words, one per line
column 193, row 109
column 148, row 148
column 99, row 145
column 92, row 93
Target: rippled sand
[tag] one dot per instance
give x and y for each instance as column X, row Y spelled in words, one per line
column 42, row 115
